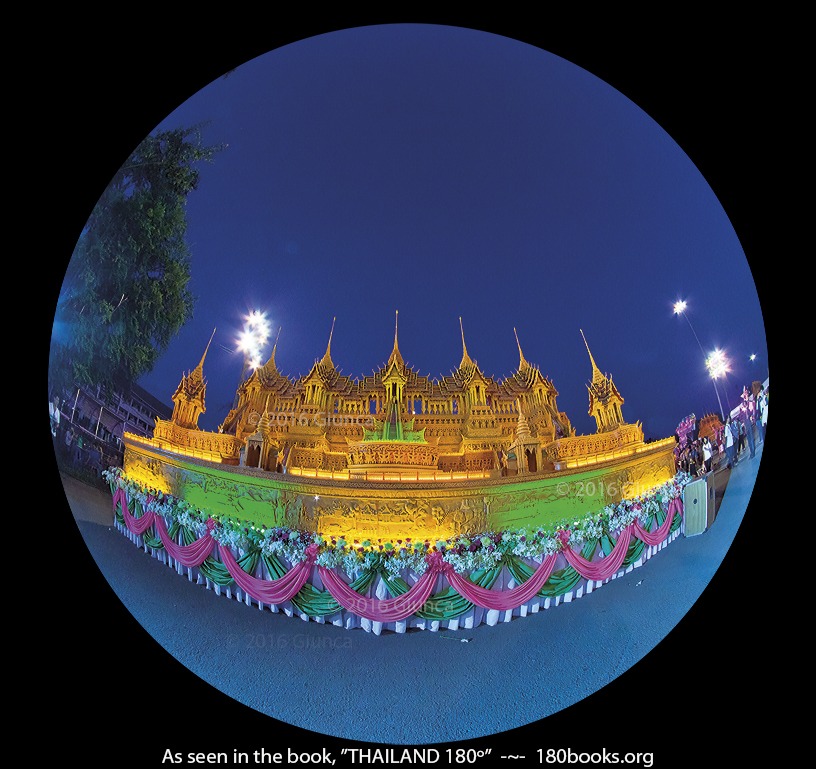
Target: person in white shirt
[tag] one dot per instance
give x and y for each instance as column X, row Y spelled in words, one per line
column 707, row 455
column 763, row 410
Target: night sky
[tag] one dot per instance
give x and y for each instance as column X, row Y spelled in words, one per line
column 447, row 172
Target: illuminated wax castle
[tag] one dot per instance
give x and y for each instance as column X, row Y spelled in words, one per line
column 398, row 421
column 397, row 452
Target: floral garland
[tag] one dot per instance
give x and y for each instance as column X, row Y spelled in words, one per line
column 465, row 554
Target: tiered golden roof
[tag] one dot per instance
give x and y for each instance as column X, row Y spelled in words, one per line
column 469, row 418
column 399, row 419
column 604, row 399
column 188, row 400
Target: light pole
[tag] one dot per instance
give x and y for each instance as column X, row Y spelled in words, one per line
column 680, row 309
column 717, row 365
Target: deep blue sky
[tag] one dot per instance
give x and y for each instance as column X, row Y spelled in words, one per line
column 447, row 172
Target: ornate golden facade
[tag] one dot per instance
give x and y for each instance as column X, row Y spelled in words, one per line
column 399, row 425
column 466, row 422
column 397, row 454
column 393, row 511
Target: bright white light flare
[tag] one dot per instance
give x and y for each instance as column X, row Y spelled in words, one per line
column 253, row 338
column 718, row 364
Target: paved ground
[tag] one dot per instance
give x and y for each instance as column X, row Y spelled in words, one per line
column 567, row 665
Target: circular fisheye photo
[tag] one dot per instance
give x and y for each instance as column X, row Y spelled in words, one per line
column 408, row 387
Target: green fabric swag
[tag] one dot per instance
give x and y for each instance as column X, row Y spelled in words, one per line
column 149, row 538
column 447, row 603
column 559, row 583
column 215, row 571
column 311, row 600
column 444, row 605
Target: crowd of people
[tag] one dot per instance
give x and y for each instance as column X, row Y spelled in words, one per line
column 728, row 444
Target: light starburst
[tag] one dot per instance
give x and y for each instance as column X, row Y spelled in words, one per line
column 253, row 338
column 716, row 361
column 718, row 364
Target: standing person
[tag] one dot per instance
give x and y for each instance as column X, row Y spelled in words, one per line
column 762, row 403
column 748, row 424
column 54, row 414
column 690, row 458
column 740, row 435
column 707, row 453
column 730, row 442
column 720, row 436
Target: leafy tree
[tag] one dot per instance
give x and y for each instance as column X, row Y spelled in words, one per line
column 125, row 291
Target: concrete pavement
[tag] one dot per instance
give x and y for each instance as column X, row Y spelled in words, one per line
column 567, row 665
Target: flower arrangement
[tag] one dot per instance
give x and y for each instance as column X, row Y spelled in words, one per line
column 464, row 553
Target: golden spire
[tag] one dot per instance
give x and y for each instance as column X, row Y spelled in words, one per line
column 596, row 372
column 327, row 356
column 274, row 347
column 193, row 383
column 201, row 364
column 395, row 353
column 522, row 363
column 466, row 361
column 196, row 376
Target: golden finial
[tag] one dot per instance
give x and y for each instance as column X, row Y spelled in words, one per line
column 465, row 357
column 274, row 347
column 596, row 372
column 522, row 362
column 327, row 356
column 195, row 378
column 200, row 366
column 207, row 348
column 395, row 353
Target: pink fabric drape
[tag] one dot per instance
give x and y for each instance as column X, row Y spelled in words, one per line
column 187, row 555
column 604, row 568
column 403, row 606
column 390, row 609
column 496, row 599
column 265, row 590
column 136, row 525
column 658, row 535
